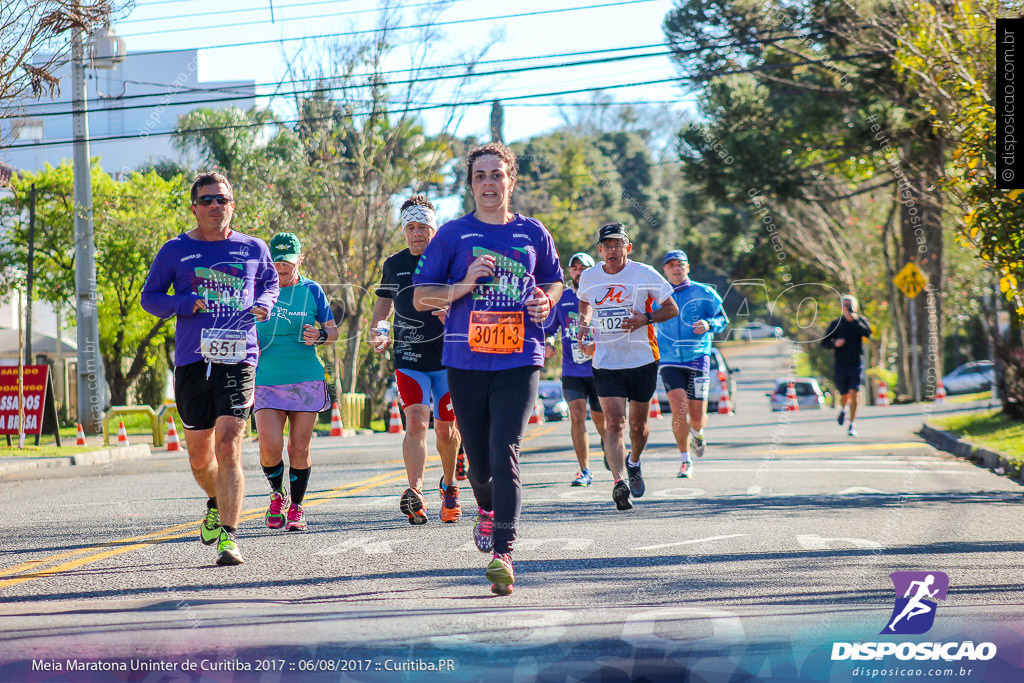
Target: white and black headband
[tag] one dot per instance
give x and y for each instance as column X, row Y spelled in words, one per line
column 419, row 214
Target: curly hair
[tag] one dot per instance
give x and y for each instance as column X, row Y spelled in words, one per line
column 209, row 178
column 416, row 200
column 495, row 149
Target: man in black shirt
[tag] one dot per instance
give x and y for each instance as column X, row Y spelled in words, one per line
column 845, row 336
column 418, row 342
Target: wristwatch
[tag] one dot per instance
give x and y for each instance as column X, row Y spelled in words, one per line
column 650, row 318
column 323, row 336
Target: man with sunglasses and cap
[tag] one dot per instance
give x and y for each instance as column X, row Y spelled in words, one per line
column 622, row 298
column 685, row 343
column 224, row 283
column 577, row 372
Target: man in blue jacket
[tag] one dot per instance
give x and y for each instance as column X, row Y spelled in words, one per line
column 685, row 343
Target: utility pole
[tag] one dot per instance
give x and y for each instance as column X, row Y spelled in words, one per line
column 31, row 272
column 90, row 368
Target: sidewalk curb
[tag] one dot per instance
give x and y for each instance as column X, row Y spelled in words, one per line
column 99, row 457
column 983, row 457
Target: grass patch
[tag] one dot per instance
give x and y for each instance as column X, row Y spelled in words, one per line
column 991, row 429
column 802, row 365
column 967, row 398
column 41, row 451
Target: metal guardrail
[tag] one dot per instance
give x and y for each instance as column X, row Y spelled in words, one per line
column 115, row 411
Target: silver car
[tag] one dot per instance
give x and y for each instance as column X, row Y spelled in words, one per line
column 809, row 395
column 970, row 378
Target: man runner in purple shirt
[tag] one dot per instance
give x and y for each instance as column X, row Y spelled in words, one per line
column 223, row 283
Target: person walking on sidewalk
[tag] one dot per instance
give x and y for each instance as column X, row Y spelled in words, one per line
column 621, row 298
column 577, row 371
column 224, row 282
column 845, row 335
column 290, row 383
column 418, row 347
column 498, row 272
column 685, row 344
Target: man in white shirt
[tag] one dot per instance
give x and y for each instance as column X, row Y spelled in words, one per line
column 618, row 296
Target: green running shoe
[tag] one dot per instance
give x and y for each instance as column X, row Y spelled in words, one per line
column 209, row 530
column 227, row 550
column 500, row 574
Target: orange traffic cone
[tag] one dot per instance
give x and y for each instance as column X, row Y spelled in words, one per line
column 122, row 435
column 882, row 399
column 173, row 444
column 940, row 393
column 80, row 436
column 337, row 428
column 537, row 417
column 724, row 404
column 791, row 402
column 395, row 422
column 655, row 413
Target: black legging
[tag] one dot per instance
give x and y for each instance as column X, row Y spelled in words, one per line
column 493, row 408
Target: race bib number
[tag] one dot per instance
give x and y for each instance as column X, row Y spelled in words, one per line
column 579, row 356
column 223, row 346
column 609, row 320
column 701, row 387
column 496, row 332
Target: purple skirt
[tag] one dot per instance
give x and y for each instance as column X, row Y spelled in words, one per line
column 301, row 397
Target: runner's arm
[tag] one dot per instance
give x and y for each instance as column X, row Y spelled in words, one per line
column 156, row 300
column 429, row 297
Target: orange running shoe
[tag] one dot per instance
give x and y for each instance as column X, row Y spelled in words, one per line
column 450, row 508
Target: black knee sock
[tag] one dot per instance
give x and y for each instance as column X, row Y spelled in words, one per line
column 275, row 474
column 299, row 479
column 211, row 503
column 229, row 529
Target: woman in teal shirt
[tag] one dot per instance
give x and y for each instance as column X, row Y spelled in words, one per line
column 290, row 381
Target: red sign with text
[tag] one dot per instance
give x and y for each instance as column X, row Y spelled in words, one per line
column 35, row 380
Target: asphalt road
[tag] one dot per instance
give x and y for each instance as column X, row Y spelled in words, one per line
column 780, row 545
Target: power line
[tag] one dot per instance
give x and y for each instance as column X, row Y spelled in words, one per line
column 438, row 67
column 405, row 110
column 322, row 89
column 413, row 26
column 231, row 11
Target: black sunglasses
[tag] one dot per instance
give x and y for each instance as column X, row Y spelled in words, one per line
column 207, row 199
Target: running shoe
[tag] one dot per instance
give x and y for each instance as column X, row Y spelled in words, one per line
column 620, row 494
column 227, row 550
column 450, row 508
column 697, row 442
column 852, row 431
column 296, row 518
column 636, row 479
column 685, row 470
column 413, row 504
column 483, row 531
column 841, row 416
column 583, row 478
column 460, row 468
column 209, row 530
column 275, row 511
column 499, row 573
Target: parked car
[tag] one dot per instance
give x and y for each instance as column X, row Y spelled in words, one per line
column 970, row 377
column 718, row 362
column 756, row 330
column 809, row 395
column 550, row 393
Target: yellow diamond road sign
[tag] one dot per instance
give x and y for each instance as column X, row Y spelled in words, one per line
column 910, row 280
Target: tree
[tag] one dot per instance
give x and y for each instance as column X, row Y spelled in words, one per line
column 34, row 43
column 132, row 219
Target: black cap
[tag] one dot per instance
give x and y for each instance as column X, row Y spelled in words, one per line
column 613, row 231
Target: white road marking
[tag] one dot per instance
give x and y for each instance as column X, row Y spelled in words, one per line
column 366, row 544
column 679, row 493
column 815, row 542
column 860, row 490
column 690, row 542
column 640, row 629
column 568, row 544
column 753, row 490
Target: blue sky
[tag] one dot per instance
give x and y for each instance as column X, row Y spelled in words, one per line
column 162, row 25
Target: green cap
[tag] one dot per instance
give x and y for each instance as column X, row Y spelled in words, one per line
column 285, row 246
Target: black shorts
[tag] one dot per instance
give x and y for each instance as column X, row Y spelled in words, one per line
column 696, row 383
column 574, row 388
column 636, row 384
column 848, row 377
column 229, row 390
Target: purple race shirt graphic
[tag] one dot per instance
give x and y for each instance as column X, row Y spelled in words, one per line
column 916, row 593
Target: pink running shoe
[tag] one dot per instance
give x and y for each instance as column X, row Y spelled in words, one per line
column 483, row 531
column 296, row 519
column 275, row 513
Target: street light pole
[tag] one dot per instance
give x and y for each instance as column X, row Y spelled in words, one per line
column 90, row 368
